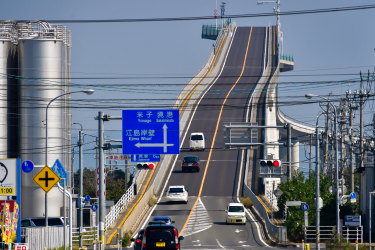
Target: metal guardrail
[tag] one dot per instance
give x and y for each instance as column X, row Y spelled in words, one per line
column 119, row 207
column 89, row 235
column 328, row 232
column 287, row 58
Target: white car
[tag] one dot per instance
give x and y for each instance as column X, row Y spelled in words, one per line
column 236, row 213
column 177, row 194
column 197, row 141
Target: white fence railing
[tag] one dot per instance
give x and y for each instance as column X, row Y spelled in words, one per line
column 119, row 207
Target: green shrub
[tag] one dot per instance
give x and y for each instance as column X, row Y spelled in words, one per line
column 125, row 240
column 246, row 201
column 152, row 201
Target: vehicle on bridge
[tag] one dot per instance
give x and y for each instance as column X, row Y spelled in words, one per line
column 197, row 141
column 190, row 163
column 236, row 213
column 138, row 240
column 164, row 219
column 161, row 236
column 177, row 194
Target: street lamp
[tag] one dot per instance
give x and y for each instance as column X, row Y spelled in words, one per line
column 86, row 91
column 309, row 96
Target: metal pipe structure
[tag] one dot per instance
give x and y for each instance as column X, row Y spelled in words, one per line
column 88, row 92
column 309, row 96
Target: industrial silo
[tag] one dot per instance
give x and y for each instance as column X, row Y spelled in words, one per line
column 43, row 78
column 9, row 134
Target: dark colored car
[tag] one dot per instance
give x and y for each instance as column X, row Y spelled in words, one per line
column 164, row 219
column 138, row 240
column 190, row 163
column 161, row 236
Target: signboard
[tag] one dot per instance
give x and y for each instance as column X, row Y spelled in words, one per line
column 151, row 131
column 352, row 220
column 117, row 157
column 60, row 171
column 8, row 168
column 145, row 158
column 27, row 166
column 21, row 247
column 293, row 203
column 46, row 178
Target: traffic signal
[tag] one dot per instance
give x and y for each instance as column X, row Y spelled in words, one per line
column 146, row 165
column 270, row 163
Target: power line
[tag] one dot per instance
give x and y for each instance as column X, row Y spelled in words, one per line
column 170, row 19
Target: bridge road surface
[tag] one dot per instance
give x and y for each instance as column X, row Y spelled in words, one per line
column 225, row 101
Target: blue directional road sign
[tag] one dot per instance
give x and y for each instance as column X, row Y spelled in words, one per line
column 60, row 171
column 353, row 195
column 145, row 158
column 151, row 131
column 94, row 207
column 27, row 166
column 87, row 198
column 304, row 207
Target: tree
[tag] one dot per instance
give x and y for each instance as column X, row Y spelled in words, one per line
column 301, row 189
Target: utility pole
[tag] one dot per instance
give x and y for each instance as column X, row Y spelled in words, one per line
column 361, row 125
column 101, row 182
column 80, row 195
column 326, row 144
column 310, row 160
column 289, row 156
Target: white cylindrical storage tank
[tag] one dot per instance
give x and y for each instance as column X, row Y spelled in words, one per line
column 42, row 70
column 8, row 87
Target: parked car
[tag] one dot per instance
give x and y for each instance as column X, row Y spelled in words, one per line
column 197, row 141
column 41, row 222
column 236, row 213
column 161, row 236
column 190, row 163
column 165, row 219
column 138, row 240
column 177, row 194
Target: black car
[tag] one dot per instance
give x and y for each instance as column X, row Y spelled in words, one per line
column 161, row 236
column 138, row 240
column 190, row 163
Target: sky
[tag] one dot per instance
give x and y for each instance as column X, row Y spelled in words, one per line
column 325, row 47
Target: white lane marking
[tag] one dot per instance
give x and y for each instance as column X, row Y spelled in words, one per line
column 199, row 220
column 220, row 244
column 238, row 230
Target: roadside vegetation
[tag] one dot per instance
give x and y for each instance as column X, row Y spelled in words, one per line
column 303, row 189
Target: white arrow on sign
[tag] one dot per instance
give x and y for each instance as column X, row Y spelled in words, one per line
column 152, row 145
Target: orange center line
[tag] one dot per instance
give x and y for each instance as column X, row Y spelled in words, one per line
column 216, row 130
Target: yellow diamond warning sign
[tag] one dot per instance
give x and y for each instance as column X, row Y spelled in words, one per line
column 46, row 178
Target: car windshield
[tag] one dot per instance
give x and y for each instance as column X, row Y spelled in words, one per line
column 166, row 220
column 41, row 222
column 190, row 159
column 176, row 190
column 157, row 234
column 197, row 137
column 235, row 209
